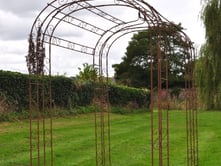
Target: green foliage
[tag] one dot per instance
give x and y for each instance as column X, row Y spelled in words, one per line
column 208, row 76
column 85, row 93
column 67, row 93
column 88, row 73
column 204, row 82
column 15, row 86
column 6, row 103
column 64, row 92
column 123, row 96
column 135, row 68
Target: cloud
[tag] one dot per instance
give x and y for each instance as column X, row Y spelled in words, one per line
column 186, row 13
column 16, row 17
column 12, row 55
column 13, row 27
column 22, row 7
column 13, row 47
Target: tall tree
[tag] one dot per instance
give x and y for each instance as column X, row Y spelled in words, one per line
column 208, row 77
column 134, row 70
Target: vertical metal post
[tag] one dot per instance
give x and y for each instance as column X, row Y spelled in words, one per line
column 151, row 101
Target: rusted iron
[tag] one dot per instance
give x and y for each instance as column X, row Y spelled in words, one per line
column 106, row 32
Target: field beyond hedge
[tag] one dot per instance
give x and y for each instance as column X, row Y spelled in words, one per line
column 130, row 143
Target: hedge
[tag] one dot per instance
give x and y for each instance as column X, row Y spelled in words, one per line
column 67, row 92
column 122, row 96
column 15, row 86
column 64, row 92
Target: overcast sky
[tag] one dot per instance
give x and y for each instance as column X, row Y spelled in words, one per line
column 17, row 16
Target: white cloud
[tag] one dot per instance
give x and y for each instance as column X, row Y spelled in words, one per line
column 186, row 13
column 13, row 47
column 13, row 27
column 12, row 55
column 22, row 7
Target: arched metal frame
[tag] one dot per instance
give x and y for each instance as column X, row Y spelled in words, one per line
column 44, row 36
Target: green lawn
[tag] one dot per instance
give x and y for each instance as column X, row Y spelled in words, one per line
column 130, row 140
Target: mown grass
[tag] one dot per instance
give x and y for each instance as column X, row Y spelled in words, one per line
column 130, row 140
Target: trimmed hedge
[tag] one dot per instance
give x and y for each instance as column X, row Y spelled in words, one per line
column 15, row 86
column 68, row 93
column 85, row 93
column 64, row 92
column 122, row 96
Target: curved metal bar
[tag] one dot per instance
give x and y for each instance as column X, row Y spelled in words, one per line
column 32, row 28
column 63, row 12
column 116, row 29
column 61, row 19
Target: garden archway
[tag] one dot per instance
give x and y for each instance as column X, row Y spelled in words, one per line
column 103, row 23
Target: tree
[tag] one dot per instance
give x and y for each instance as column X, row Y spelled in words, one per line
column 208, row 77
column 88, row 73
column 134, row 70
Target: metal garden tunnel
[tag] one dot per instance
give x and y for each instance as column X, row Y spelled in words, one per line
column 56, row 27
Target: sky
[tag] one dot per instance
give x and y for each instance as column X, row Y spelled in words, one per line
column 16, row 19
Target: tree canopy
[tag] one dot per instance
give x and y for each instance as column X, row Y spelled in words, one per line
column 134, row 70
column 208, row 77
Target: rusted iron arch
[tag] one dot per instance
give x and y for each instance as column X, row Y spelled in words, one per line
column 67, row 15
column 57, row 23
column 38, row 34
column 46, row 7
column 39, row 21
column 125, row 30
column 137, row 29
column 110, row 44
column 106, row 46
column 51, row 26
column 60, row 20
column 109, row 30
column 120, row 28
column 56, row 11
column 76, row 2
column 54, row 27
column 148, row 18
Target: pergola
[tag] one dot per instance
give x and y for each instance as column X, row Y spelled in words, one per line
column 104, row 23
